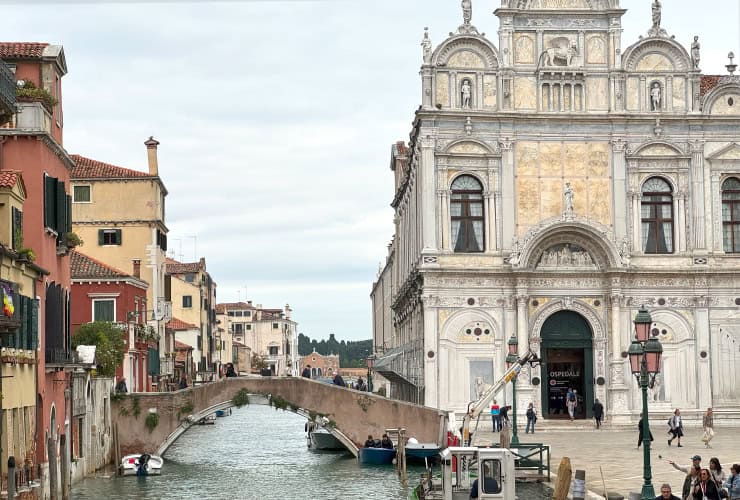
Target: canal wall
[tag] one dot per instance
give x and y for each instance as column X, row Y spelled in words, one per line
column 146, row 420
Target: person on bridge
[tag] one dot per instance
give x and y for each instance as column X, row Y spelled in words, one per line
column 121, row 386
column 183, row 383
column 306, row 373
column 338, row 380
column 230, row 370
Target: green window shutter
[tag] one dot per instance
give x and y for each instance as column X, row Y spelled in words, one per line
column 61, row 208
column 17, row 236
column 34, row 323
column 50, row 187
column 68, row 228
column 118, row 236
column 153, row 355
column 101, row 237
column 21, row 305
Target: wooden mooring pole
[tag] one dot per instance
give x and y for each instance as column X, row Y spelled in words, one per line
column 562, row 483
column 64, row 466
column 51, row 450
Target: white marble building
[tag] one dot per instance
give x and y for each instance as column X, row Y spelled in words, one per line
column 554, row 181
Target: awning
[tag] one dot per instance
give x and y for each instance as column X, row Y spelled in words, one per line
column 390, row 366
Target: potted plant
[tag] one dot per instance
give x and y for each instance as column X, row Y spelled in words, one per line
column 26, row 254
column 72, row 240
column 26, row 91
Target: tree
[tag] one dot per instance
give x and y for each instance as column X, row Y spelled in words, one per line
column 109, row 345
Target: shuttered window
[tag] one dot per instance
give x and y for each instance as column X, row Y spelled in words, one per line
column 57, row 206
column 17, row 229
column 153, row 355
column 109, row 237
column 104, row 310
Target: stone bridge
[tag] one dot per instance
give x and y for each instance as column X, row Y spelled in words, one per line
column 353, row 414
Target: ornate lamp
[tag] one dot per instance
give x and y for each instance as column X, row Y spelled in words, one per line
column 635, row 354
column 642, row 324
column 653, row 352
column 513, row 357
column 511, row 360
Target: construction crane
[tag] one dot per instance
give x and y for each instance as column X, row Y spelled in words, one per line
column 476, row 407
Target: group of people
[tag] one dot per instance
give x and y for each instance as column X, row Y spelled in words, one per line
column 337, row 380
column 499, row 416
column 700, row 483
column 675, row 429
column 385, row 442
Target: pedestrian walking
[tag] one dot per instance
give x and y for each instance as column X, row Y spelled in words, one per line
column 676, row 427
column 640, row 437
column 708, row 424
column 505, row 415
column 598, row 410
column 496, row 416
column 571, row 401
column 733, row 483
column 338, row 380
column 531, row 418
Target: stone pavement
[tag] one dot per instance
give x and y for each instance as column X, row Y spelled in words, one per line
column 614, row 452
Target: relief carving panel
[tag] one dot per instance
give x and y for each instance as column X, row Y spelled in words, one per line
column 489, row 91
column 551, row 194
column 633, row 94
column 551, row 162
column 468, row 148
column 466, row 59
column 599, row 200
column 523, row 48
column 575, row 160
column 598, row 160
column 654, row 62
column 679, row 94
column 443, row 89
column 527, row 191
column 596, row 49
column 525, row 93
column 559, row 4
column 596, row 94
column 526, row 159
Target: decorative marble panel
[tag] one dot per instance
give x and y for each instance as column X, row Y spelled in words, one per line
column 559, row 4
column 580, row 201
column 575, row 160
column 489, row 91
column 654, row 62
column 633, row 94
column 468, row 148
column 525, row 93
column 443, row 89
column 523, row 48
column 526, row 159
column 527, row 201
column 596, row 94
column 679, row 94
column 657, row 150
column 466, row 59
column 599, row 200
column 551, row 197
column 551, row 161
column 598, row 160
column 596, row 49
column 728, row 104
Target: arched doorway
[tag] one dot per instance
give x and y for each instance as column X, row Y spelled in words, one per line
column 567, row 355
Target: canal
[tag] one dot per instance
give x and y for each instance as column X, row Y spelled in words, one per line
column 256, row 453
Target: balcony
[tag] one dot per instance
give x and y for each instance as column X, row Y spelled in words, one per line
column 7, row 93
column 33, row 117
column 59, row 359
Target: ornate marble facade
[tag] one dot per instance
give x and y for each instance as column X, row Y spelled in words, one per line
column 556, row 104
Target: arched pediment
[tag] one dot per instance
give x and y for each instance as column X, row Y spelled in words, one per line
column 466, row 52
column 579, row 234
column 469, row 146
column 567, row 304
column 455, row 328
column 723, row 100
column 655, row 55
column 657, row 148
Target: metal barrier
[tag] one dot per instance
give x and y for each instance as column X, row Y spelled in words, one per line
column 531, row 457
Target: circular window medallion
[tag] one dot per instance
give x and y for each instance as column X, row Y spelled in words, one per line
column 487, row 332
column 430, row 354
column 661, row 302
column 535, row 380
column 737, row 301
column 600, row 381
column 664, row 332
column 535, row 303
column 703, row 354
column 478, row 332
column 655, row 332
column 730, row 101
column 468, row 331
column 471, row 301
column 597, row 303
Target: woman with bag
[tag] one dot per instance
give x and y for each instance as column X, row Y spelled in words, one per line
column 708, row 424
column 718, row 475
column 676, row 427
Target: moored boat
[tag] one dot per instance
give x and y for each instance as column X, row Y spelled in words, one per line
column 141, row 465
column 208, row 420
column 419, row 452
column 223, row 413
column 376, row 456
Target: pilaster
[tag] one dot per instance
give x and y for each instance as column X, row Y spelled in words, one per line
column 507, row 189
column 426, row 182
column 697, row 200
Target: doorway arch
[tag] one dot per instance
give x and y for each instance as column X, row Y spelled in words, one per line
column 568, row 358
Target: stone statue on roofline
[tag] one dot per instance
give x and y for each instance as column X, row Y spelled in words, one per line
column 657, row 14
column 696, row 52
column 467, row 8
column 426, row 44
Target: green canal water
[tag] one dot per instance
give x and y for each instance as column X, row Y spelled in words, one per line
column 256, row 453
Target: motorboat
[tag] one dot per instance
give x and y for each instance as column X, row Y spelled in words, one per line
column 208, row 420
column 376, row 456
column 419, row 452
column 223, row 413
column 320, row 438
column 142, row 464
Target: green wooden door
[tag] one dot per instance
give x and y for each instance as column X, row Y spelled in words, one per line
column 567, row 355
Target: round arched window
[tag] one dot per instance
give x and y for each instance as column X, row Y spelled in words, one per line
column 657, row 216
column 466, row 214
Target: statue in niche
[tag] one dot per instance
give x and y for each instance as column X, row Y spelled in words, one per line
column 467, row 8
column 656, row 95
column 568, row 196
column 656, row 14
column 696, row 52
column 465, row 91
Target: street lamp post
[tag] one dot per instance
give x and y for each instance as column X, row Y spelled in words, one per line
column 511, row 359
column 645, row 354
column 370, row 360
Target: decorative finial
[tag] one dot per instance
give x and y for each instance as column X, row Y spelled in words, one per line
column 426, row 43
column 658, row 129
column 731, row 67
column 467, row 8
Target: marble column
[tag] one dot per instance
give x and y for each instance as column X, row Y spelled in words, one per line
column 487, row 220
column 697, row 199
column 507, row 191
column 682, row 221
column 522, row 321
column 703, row 376
column 715, row 237
column 669, row 93
column 431, row 368
column 619, row 187
column 677, row 229
column 636, row 223
column 426, row 171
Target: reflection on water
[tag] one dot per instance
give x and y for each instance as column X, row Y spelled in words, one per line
column 258, row 453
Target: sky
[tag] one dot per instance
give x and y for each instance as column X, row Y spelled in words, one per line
column 276, row 120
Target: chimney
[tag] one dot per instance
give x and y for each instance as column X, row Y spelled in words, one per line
column 151, row 152
column 288, row 310
column 137, row 268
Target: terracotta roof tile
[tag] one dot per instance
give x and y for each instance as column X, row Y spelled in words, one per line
column 231, row 306
column 178, row 324
column 22, row 50
column 708, row 82
column 182, row 346
column 84, row 267
column 8, row 178
column 175, row 267
column 87, row 168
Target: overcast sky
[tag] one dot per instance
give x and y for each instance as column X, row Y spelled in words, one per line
column 275, row 121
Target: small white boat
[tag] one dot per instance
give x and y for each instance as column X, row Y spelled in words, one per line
column 142, row 465
column 208, row 420
column 322, row 439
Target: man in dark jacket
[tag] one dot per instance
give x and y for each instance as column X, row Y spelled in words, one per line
column 598, row 410
column 666, row 493
column 306, row 373
column 338, row 380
